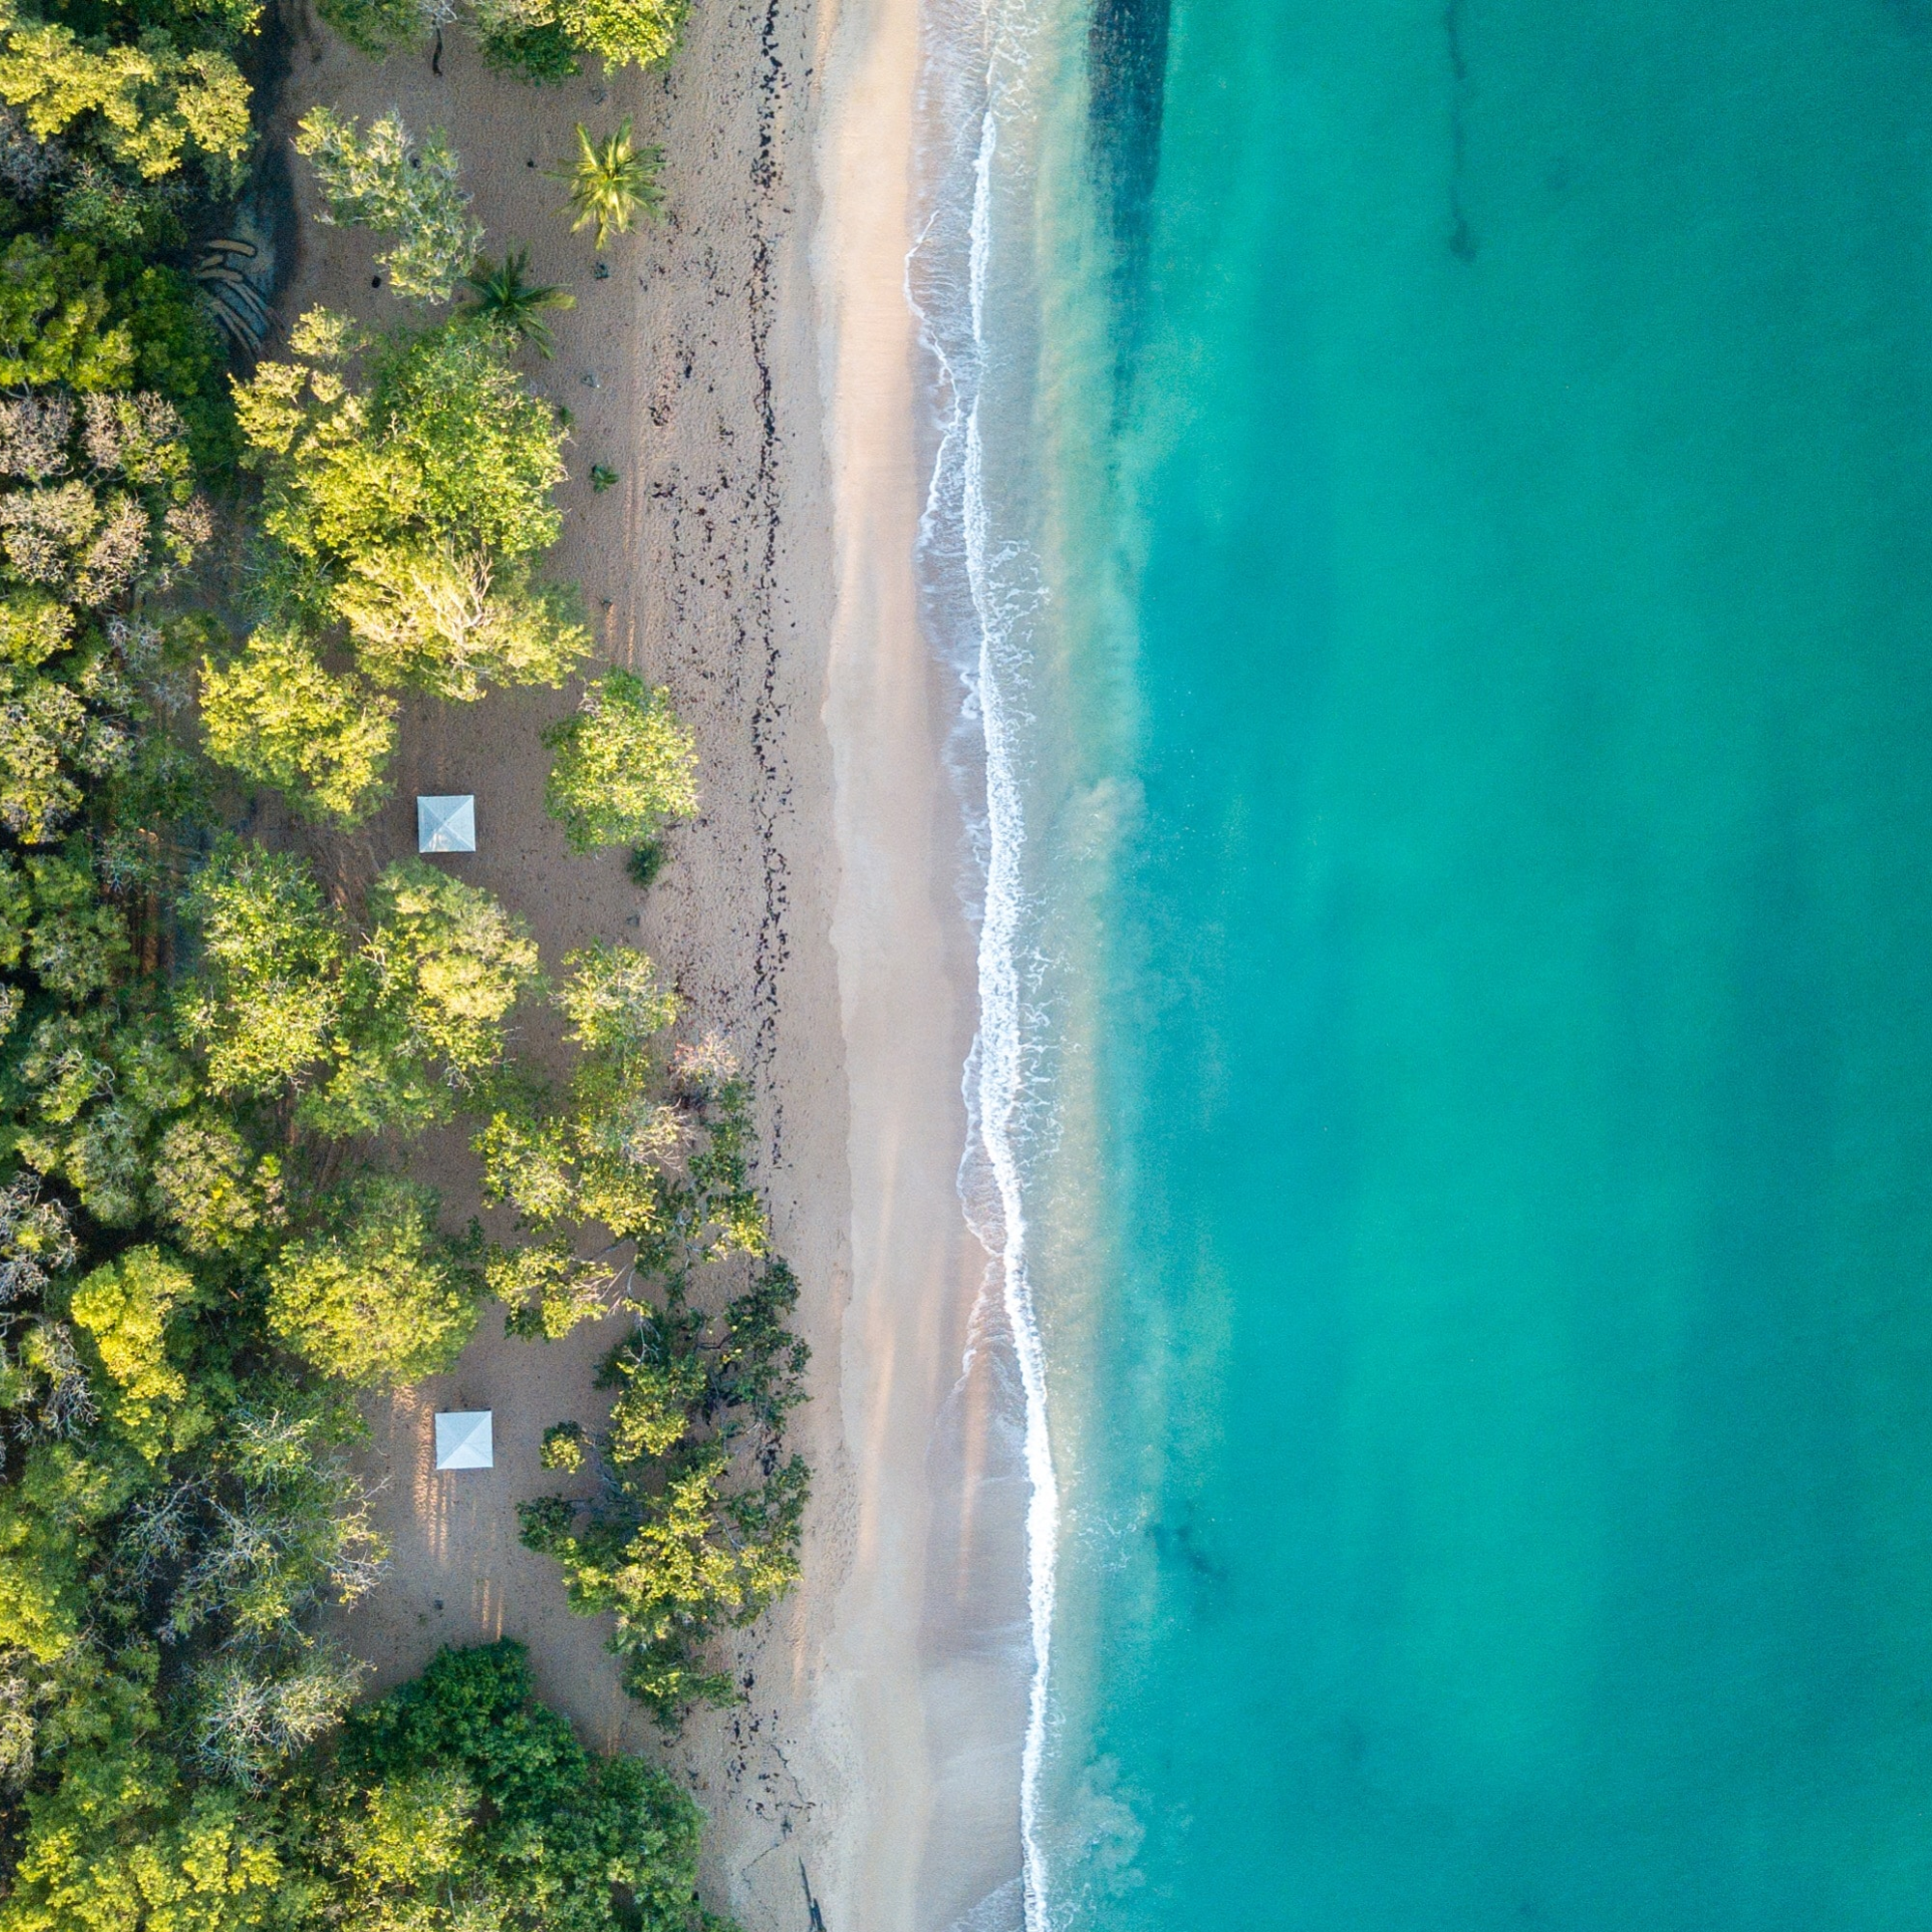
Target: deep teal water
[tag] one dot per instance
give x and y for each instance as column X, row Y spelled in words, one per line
column 1495, row 1407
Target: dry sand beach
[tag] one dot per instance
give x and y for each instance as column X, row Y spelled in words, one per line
column 748, row 368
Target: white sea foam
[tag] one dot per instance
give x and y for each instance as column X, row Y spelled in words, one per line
column 982, row 591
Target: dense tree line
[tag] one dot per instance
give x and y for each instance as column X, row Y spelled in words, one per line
column 215, row 1055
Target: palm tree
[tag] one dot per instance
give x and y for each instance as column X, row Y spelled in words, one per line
column 503, row 298
column 611, row 181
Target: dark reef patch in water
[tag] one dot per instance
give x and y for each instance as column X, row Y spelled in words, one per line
column 1126, row 58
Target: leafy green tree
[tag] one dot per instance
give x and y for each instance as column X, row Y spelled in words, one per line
column 458, row 1801
column 53, row 318
column 43, row 733
column 214, row 1193
column 444, row 448
column 267, row 1004
column 122, row 1842
column 97, row 507
column 51, row 1516
column 427, row 1000
column 617, row 1006
column 685, row 1540
column 147, row 107
column 453, row 622
column 612, row 179
column 277, row 714
column 660, row 1162
column 362, row 1035
column 386, row 184
column 383, row 1298
column 524, row 37
column 124, row 1307
column 93, row 1090
column 547, row 1287
column 624, row 33
column 412, row 510
column 503, row 298
column 376, row 26
column 78, row 942
column 623, row 767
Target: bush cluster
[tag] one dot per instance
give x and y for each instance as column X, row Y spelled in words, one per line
column 537, row 39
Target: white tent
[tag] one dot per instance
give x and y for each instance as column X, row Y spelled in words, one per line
column 463, row 1441
column 447, row 824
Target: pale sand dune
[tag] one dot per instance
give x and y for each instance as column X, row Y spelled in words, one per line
column 754, row 385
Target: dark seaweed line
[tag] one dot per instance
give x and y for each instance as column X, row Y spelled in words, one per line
column 774, row 946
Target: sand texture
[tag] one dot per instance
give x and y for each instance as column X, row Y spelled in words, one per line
column 747, row 368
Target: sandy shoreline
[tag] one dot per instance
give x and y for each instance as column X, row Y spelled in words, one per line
column 748, row 369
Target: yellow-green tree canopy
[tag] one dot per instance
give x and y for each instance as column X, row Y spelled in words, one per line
column 407, row 497
column 363, row 1033
column 123, row 1307
column 386, row 183
column 149, row 107
column 382, row 1297
column 624, row 765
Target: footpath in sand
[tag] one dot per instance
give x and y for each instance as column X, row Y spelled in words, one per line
column 747, row 368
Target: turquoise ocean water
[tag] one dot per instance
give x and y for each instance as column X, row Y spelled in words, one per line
column 1452, row 557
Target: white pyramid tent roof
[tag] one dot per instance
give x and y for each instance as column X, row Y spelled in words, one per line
column 463, row 1439
column 446, row 823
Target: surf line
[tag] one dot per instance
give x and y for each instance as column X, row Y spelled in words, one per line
column 977, row 636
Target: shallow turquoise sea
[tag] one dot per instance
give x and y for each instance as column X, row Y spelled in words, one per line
column 1485, row 1249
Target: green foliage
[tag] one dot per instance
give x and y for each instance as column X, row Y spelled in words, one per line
column 645, row 862
column 383, row 1298
column 428, row 998
column 443, row 448
column 386, row 184
column 53, row 318
column 564, row 1448
column 178, row 354
column 537, row 52
column 695, row 1526
column 119, row 1845
column 614, row 1002
column 408, row 510
column 548, row 1288
column 623, row 765
column 50, row 1516
column 456, row 1801
column 604, row 1152
column 624, row 33
column 502, row 299
column 93, row 1090
column 96, row 508
column 147, row 107
column 215, row 1194
column 267, row 1005
column 191, row 1294
column 277, row 714
column 453, row 622
column 358, row 1034
column 610, row 181
column 124, row 1307
column 268, row 1522
column 684, row 1539
column 376, row 26
column 602, row 478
